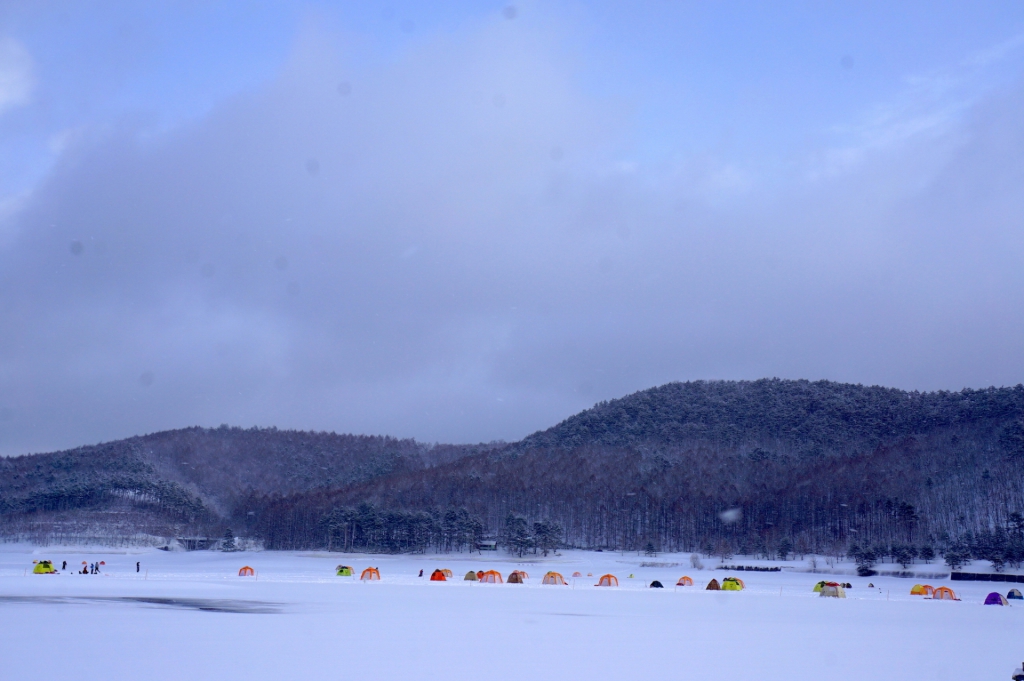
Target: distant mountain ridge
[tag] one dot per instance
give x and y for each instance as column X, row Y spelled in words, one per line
column 821, row 415
column 815, row 463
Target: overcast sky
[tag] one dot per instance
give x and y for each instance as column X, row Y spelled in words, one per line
column 466, row 224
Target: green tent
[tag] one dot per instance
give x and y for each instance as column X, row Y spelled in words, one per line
column 470, row 577
column 344, row 571
column 818, row 587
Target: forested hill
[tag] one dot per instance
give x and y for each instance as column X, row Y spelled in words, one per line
column 812, row 464
column 801, row 416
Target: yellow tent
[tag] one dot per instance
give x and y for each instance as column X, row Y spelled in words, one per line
column 732, row 584
column 44, row 567
column 922, row 590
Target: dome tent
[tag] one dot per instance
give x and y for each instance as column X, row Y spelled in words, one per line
column 656, row 585
column 995, row 598
column 922, row 590
column 713, row 586
column 830, row 591
column 470, row 577
column 1013, row 594
column 684, row 581
column 446, row 572
column 370, row 574
column 944, row 593
column 515, row 578
column 577, row 574
column 246, row 572
column 438, row 576
column 344, row 571
column 732, row 584
column 44, row 567
column 491, row 577
column 608, row 580
column 553, row 578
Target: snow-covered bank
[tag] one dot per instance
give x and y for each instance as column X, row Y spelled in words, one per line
column 295, row 618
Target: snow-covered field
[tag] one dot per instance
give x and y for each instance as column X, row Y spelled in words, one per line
column 189, row 616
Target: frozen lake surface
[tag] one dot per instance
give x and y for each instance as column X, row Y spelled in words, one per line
column 189, row 615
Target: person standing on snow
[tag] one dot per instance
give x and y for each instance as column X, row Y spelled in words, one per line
column 136, row 566
column 64, row 566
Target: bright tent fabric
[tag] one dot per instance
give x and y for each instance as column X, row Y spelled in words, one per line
column 44, row 567
column 370, row 574
column 492, row 577
column 829, row 591
column 732, row 584
column 819, row 586
column 438, row 576
column 608, row 580
column 995, row 598
column 922, row 590
column 246, row 572
column 684, row 581
column 713, row 585
column 344, row 571
column 553, row 578
column 470, row 577
column 944, row 593
column 1014, row 594
column 446, row 572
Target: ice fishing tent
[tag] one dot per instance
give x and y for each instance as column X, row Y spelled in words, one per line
column 657, row 585
column 684, row 581
column 470, row 577
column 944, row 593
column 922, row 590
column 246, row 572
column 479, row 574
column 44, row 567
column 830, row 591
column 522, row 574
column 995, row 598
column 732, row 584
column 608, row 580
column 344, row 571
column 438, row 576
column 515, row 578
column 577, row 574
column 553, row 578
column 713, row 585
column 819, row 586
column 492, row 577
column 447, row 573
column 1013, row 594
column 370, row 574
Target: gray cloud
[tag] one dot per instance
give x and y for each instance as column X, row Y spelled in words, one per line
column 403, row 256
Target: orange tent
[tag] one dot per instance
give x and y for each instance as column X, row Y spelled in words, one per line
column 684, row 581
column 608, row 580
column 944, row 593
column 922, row 590
column 438, row 576
column 492, row 577
column 447, row 573
column 553, row 578
column 576, row 574
column 246, row 572
column 371, row 574
column 713, row 585
column 522, row 574
column 480, row 575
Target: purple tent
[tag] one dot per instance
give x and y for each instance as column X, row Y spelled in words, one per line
column 995, row 599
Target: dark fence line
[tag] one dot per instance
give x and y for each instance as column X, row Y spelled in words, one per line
column 980, row 577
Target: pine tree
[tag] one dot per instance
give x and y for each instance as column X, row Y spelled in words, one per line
column 228, row 543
